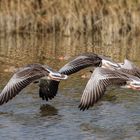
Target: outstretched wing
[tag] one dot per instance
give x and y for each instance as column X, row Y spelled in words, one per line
column 22, row 78
column 81, row 62
column 96, row 86
column 49, row 90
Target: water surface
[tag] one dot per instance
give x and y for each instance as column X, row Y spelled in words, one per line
column 116, row 116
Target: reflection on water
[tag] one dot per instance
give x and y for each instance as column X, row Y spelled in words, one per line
column 21, row 49
column 48, row 110
column 116, row 116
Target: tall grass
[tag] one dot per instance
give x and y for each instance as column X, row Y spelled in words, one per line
column 103, row 19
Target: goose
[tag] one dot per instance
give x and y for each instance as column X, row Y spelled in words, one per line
column 26, row 75
column 100, row 79
column 127, row 75
column 107, row 73
column 48, row 90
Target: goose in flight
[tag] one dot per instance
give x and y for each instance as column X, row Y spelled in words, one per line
column 100, row 80
column 127, row 75
column 107, row 73
column 48, row 90
column 26, row 75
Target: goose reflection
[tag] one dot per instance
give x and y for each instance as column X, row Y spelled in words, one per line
column 48, row 110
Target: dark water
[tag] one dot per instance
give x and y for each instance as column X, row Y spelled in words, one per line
column 115, row 117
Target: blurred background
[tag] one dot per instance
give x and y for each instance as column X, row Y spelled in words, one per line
column 69, row 28
column 53, row 32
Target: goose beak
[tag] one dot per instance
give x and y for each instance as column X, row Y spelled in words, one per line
column 135, row 85
column 132, row 85
column 57, row 76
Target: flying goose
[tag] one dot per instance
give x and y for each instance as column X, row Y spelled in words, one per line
column 48, row 90
column 26, row 75
column 127, row 74
column 100, row 80
column 108, row 73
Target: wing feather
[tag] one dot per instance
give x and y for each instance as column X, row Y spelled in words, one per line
column 80, row 62
column 96, row 86
column 20, row 80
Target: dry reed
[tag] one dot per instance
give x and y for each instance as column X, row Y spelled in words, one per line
column 103, row 19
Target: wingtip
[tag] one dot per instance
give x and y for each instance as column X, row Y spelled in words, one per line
column 82, row 107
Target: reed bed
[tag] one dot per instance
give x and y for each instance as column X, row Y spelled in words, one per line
column 103, row 19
